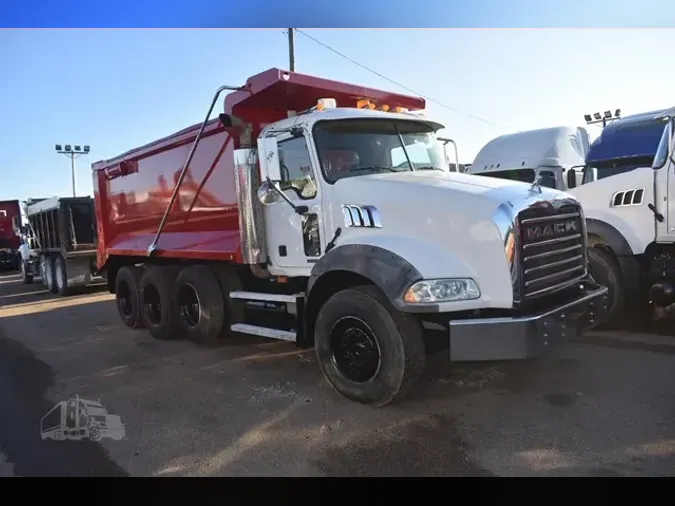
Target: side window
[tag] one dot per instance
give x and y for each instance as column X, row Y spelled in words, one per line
column 296, row 168
column 547, row 179
column 419, row 156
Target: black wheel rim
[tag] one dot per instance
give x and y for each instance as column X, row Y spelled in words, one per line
column 124, row 299
column 188, row 304
column 152, row 305
column 354, row 349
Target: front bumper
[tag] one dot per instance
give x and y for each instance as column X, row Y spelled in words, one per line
column 530, row 336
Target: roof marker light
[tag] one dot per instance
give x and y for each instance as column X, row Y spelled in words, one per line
column 326, row 103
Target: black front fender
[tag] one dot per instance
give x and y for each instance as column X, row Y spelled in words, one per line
column 388, row 271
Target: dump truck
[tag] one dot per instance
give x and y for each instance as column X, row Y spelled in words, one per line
column 62, row 237
column 10, row 210
column 325, row 214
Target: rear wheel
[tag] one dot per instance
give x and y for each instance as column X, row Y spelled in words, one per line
column 158, row 308
column 49, row 277
column 368, row 352
column 127, row 296
column 606, row 271
column 201, row 311
column 61, row 276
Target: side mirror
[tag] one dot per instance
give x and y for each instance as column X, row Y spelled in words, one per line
column 268, row 154
column 571, row 178
column 267, row 194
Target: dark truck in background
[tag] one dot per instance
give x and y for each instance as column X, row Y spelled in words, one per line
column 63, row 249
column 10, row 212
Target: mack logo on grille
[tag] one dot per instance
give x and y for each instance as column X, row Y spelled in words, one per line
column 551, row 230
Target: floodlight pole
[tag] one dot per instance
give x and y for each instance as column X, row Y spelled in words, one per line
column 72, row 154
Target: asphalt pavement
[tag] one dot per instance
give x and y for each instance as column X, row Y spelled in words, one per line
column 603, row 406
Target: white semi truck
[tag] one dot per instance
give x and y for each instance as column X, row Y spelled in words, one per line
column 545, row 154
column 625, row 194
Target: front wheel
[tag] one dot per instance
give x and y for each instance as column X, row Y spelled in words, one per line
column 26, row 276
column 605, row 270
column 368, row 351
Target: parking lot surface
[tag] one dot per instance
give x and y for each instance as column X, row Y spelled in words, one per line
column 601, row 406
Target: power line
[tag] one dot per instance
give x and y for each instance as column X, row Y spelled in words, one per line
column 429, row 99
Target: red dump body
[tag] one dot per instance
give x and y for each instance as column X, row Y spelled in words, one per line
column 8, row 210
column 133, row 190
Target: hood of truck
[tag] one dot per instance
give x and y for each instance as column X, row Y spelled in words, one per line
column 411, row 185
column 441, row 223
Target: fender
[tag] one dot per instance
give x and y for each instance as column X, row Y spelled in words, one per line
column 628, row 264
column 388, row 271
column 611, row 235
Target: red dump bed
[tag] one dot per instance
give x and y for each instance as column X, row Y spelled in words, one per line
column 8, row 210
column 133, row 190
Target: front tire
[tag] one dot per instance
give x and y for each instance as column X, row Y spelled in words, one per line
column 158, row 308
column 127, row 296
column 26, row 277
column 606, row 271
column 368, row 351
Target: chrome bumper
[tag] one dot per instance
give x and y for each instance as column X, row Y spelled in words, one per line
column 528, row 336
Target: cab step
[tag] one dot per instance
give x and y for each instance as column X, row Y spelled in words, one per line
column 267, row 297
column 255, row 330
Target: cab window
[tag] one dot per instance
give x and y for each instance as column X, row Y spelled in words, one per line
column 296, row 168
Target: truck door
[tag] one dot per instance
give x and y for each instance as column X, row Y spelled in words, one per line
column 664, row 172
column 294, row 241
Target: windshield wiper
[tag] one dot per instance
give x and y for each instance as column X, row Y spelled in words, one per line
column 428, row 167
column 373, row 168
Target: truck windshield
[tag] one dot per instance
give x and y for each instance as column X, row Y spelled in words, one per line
column 662, row 152
column 522, row 175
column 369, row 146
column 614, row 167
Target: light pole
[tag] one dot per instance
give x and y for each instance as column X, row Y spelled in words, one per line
column 604, row 119
column 72, row 152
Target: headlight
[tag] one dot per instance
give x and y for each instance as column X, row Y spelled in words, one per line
column 442, row 290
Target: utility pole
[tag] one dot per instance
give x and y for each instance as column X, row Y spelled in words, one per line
column 291, row 50
column 72, row 152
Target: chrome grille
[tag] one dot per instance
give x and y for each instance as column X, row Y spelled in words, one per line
column 553, row 249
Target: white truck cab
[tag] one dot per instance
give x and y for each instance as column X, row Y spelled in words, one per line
column 549, row 155
column 631, row 229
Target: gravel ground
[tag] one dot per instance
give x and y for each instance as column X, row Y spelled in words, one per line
column 598, row 407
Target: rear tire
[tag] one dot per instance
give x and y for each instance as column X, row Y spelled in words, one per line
column 26, row 277
column 158, row 308
column 127, row 296
column 201, row 311
column 368, row 351
column 61, row 276
column 49, row 276
column 606, row 271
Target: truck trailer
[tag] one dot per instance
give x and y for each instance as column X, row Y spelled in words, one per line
column 325, row 214
column 62, row 232
column 10, row 210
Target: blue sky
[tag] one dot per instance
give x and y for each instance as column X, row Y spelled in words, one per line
column 117, row 89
